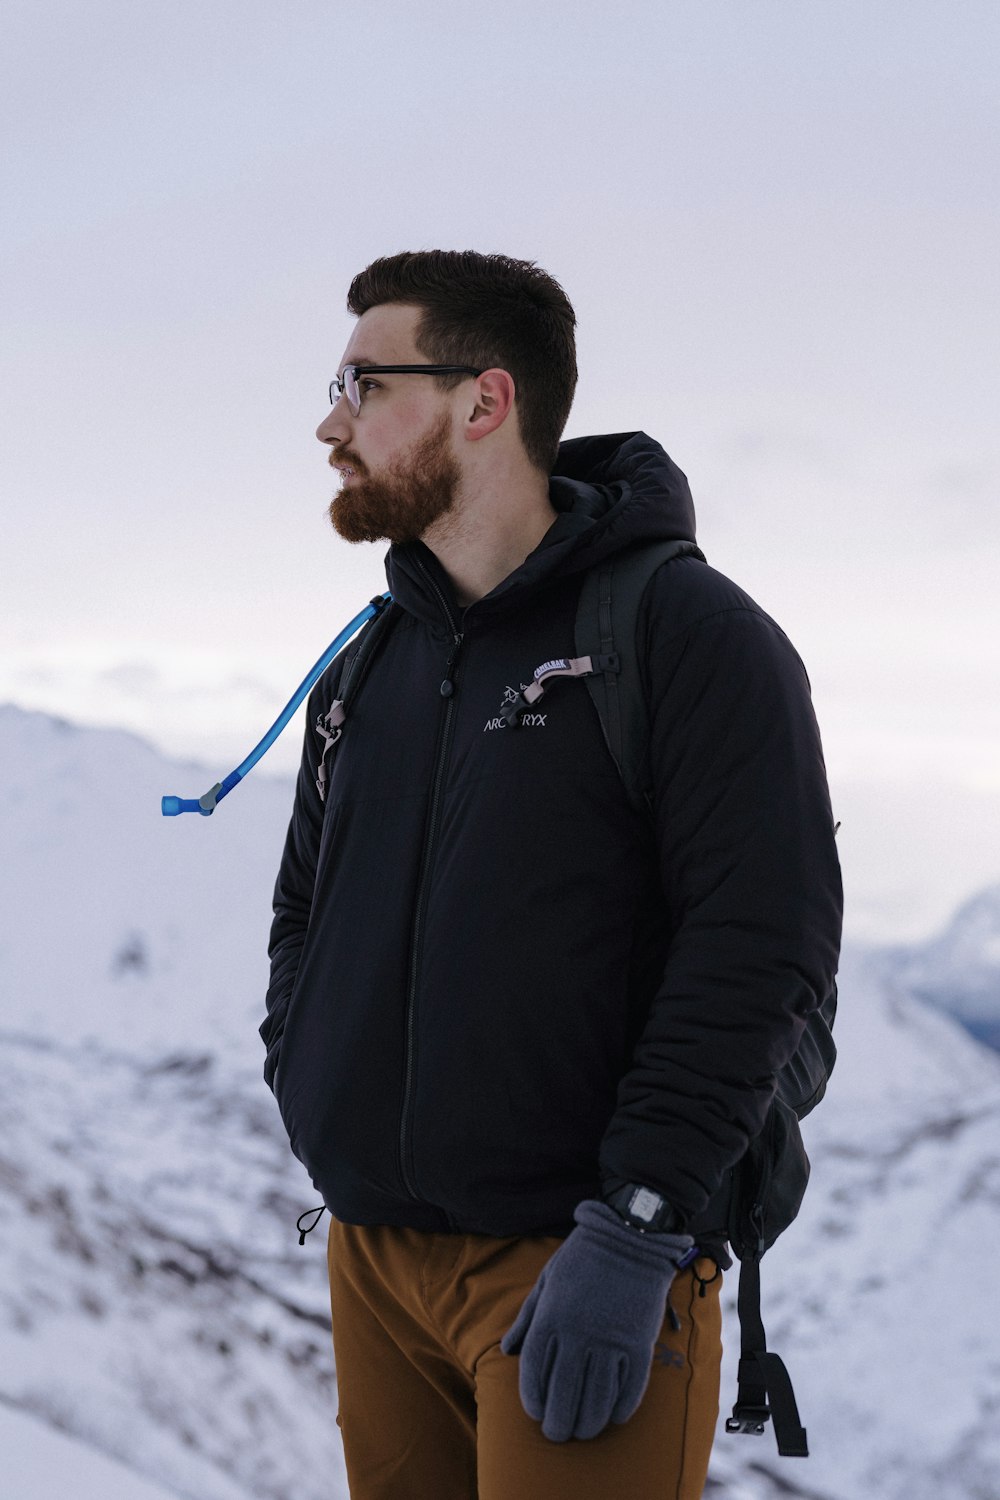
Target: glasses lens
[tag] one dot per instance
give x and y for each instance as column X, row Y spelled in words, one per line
column 346, row 385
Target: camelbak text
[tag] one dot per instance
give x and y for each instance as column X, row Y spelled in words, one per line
column 551, row 666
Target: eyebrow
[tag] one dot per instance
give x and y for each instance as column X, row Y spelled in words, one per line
column 358, row 359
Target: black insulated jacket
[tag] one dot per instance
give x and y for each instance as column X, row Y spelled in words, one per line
column 494, row 984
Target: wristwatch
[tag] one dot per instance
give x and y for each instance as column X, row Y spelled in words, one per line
column 645, row 1209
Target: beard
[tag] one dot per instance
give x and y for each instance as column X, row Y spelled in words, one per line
column 406, row 497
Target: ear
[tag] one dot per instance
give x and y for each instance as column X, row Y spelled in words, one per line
column 494, row 401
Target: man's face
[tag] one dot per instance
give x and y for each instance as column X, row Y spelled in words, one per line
column 396, row 459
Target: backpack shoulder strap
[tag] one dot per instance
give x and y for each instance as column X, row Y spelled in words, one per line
column 362, row 652
column 606, row 621
column 358, row 658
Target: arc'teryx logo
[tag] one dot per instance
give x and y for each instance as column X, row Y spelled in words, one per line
column 528, row 721
column 664, row 1355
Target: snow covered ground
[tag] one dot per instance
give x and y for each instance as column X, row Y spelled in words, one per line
column 39, row 1460
column 161, row 1331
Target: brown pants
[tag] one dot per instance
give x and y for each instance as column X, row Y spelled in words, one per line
column 429, row 1406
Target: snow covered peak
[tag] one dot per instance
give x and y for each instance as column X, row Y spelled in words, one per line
column 959, row 969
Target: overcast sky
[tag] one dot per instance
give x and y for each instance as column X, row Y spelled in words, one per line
column 776, row 220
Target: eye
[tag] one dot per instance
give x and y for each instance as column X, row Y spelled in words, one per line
column 366, row 384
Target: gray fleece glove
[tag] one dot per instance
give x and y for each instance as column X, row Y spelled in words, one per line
column 587, row 1330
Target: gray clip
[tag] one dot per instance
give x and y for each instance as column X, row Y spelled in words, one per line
column 208, row 801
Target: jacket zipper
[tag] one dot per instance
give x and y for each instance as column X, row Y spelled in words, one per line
column 430, row 838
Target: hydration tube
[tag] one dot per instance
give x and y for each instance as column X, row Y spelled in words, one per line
column 206, row 805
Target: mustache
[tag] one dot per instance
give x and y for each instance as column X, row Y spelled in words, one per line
column 339, row 458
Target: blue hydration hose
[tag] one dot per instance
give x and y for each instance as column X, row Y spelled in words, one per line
column 206, row 805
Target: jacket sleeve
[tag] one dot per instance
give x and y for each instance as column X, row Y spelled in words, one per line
column 293, row 891
column 751, row 878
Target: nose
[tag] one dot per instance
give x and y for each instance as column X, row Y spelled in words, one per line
column 335, row 428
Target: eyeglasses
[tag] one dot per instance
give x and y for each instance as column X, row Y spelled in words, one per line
column 347, row 383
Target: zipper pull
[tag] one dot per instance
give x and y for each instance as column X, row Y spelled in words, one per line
column 757, row 1224
column 447, row 685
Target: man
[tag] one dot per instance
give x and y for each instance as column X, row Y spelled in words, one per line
column 517, row 1030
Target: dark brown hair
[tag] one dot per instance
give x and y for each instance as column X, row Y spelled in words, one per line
column 489, row 311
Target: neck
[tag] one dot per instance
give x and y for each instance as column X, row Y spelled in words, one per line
column 499, row 518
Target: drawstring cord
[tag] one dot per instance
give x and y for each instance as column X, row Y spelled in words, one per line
column 703, row 1285
column 319, row 1212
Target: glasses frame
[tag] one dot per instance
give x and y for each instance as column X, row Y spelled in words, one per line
column 338, row 385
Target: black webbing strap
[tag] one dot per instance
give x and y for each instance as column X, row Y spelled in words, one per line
column 607, row 617
column 356, row 665
column 613, row 720
column 765, row 1389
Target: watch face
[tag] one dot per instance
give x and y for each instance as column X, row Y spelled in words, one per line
column 645, row 1204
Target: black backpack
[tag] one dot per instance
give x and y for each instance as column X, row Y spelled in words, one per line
column 762, row 1193
column 764, row 1190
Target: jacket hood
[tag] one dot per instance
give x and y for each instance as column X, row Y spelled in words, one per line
column 608, row 491
column 618, row 489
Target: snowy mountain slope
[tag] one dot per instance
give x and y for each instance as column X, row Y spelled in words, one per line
column 146, row 932
column 958, row 970
column 876, row 1297
column 38, row 1460
column 154, row 1301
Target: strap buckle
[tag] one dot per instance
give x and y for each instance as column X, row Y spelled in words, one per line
column 562, row 666
column 763, row 1379
column 330, row 726
column 747, row 1419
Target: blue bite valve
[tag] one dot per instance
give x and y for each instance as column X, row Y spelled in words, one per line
column 172, row 806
